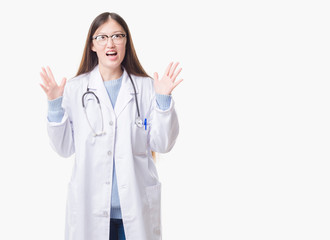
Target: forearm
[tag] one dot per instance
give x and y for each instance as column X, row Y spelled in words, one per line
column 164, row 129
column 60, row 129
column 55, row 110
column 163, row 101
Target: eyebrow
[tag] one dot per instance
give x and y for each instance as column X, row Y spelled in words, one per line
column 103, row 33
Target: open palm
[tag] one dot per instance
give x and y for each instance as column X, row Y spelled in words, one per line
column 50, row 87
column 166, row 85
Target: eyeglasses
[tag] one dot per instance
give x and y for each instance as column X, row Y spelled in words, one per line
column 117, row 39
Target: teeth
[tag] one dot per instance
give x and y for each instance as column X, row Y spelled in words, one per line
column 111, row 53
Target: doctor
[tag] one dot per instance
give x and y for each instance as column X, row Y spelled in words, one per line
column 112, row 116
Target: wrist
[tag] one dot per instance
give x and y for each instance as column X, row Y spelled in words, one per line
column 55, row 104
column 163, row 101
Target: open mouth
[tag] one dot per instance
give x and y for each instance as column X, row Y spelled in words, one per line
column 111, row 53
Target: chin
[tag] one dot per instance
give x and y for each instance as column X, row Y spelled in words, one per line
column 112, row 64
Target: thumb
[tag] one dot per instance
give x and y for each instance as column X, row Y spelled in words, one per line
column 63, row 83
column 156, row 76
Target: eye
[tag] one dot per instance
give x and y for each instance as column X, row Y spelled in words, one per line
column 100, row 37
column 115, row 36
column 118, row 36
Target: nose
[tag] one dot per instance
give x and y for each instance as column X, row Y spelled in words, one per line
column 110, row 42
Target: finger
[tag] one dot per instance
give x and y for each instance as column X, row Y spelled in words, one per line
column 156, row 76
column 177, row 83
column 62, row 85
column 44, row 88
column 167, row 71
column 47, row 77
column 50, row 75
column 176, row 74
column 45, row 74
column 173, row 69
column 44, row 79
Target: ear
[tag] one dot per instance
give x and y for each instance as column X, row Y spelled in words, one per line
column 93, row 48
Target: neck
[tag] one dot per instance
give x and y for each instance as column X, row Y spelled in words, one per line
column 109, row 73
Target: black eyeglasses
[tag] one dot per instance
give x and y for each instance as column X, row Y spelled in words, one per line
column 117, row 38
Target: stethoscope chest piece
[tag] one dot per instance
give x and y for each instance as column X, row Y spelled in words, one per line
column 139, row 122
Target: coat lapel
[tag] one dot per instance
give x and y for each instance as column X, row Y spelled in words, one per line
column 126, row 93
column 96, row 85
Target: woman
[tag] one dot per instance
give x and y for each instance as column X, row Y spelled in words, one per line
column 112, row 115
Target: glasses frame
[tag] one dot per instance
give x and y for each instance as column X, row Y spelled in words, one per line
column 112, row 37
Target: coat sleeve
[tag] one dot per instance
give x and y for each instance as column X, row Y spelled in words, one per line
column 164, row 128
column 61, row 134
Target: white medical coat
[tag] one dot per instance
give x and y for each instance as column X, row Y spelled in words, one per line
column 89, row 190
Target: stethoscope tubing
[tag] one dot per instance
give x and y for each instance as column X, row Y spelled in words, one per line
column 86, row 93
column 138, row 120
column 136, row 101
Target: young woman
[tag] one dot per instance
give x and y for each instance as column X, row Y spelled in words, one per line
column 112, row 116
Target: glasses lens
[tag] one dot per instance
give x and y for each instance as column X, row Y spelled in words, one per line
column 101, row 39
column 118, row 38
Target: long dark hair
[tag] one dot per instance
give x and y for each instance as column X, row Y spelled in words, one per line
column 89, row 59
column 130, row 62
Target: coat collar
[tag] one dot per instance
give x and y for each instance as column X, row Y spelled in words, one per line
column 125, row 95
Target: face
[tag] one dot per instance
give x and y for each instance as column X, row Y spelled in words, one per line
column 111, row 52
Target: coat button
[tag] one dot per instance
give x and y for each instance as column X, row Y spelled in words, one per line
column 108, row 183
column 105, row 214
column 111, row 123
column 109, row 153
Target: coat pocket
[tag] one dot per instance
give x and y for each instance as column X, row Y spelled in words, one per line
column 154, row 202
column 139, row 140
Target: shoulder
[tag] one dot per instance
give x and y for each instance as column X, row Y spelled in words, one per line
column 76, row 82
column 145, row 87
column 74, row 87
column 143, row 82
column 77, row 79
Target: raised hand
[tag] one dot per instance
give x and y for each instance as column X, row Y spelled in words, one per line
column 166, row 85
column 50, row 86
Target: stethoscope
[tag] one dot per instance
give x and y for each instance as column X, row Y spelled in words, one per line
column 138, row 120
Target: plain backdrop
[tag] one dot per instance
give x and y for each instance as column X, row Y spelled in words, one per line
column 252, row 157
